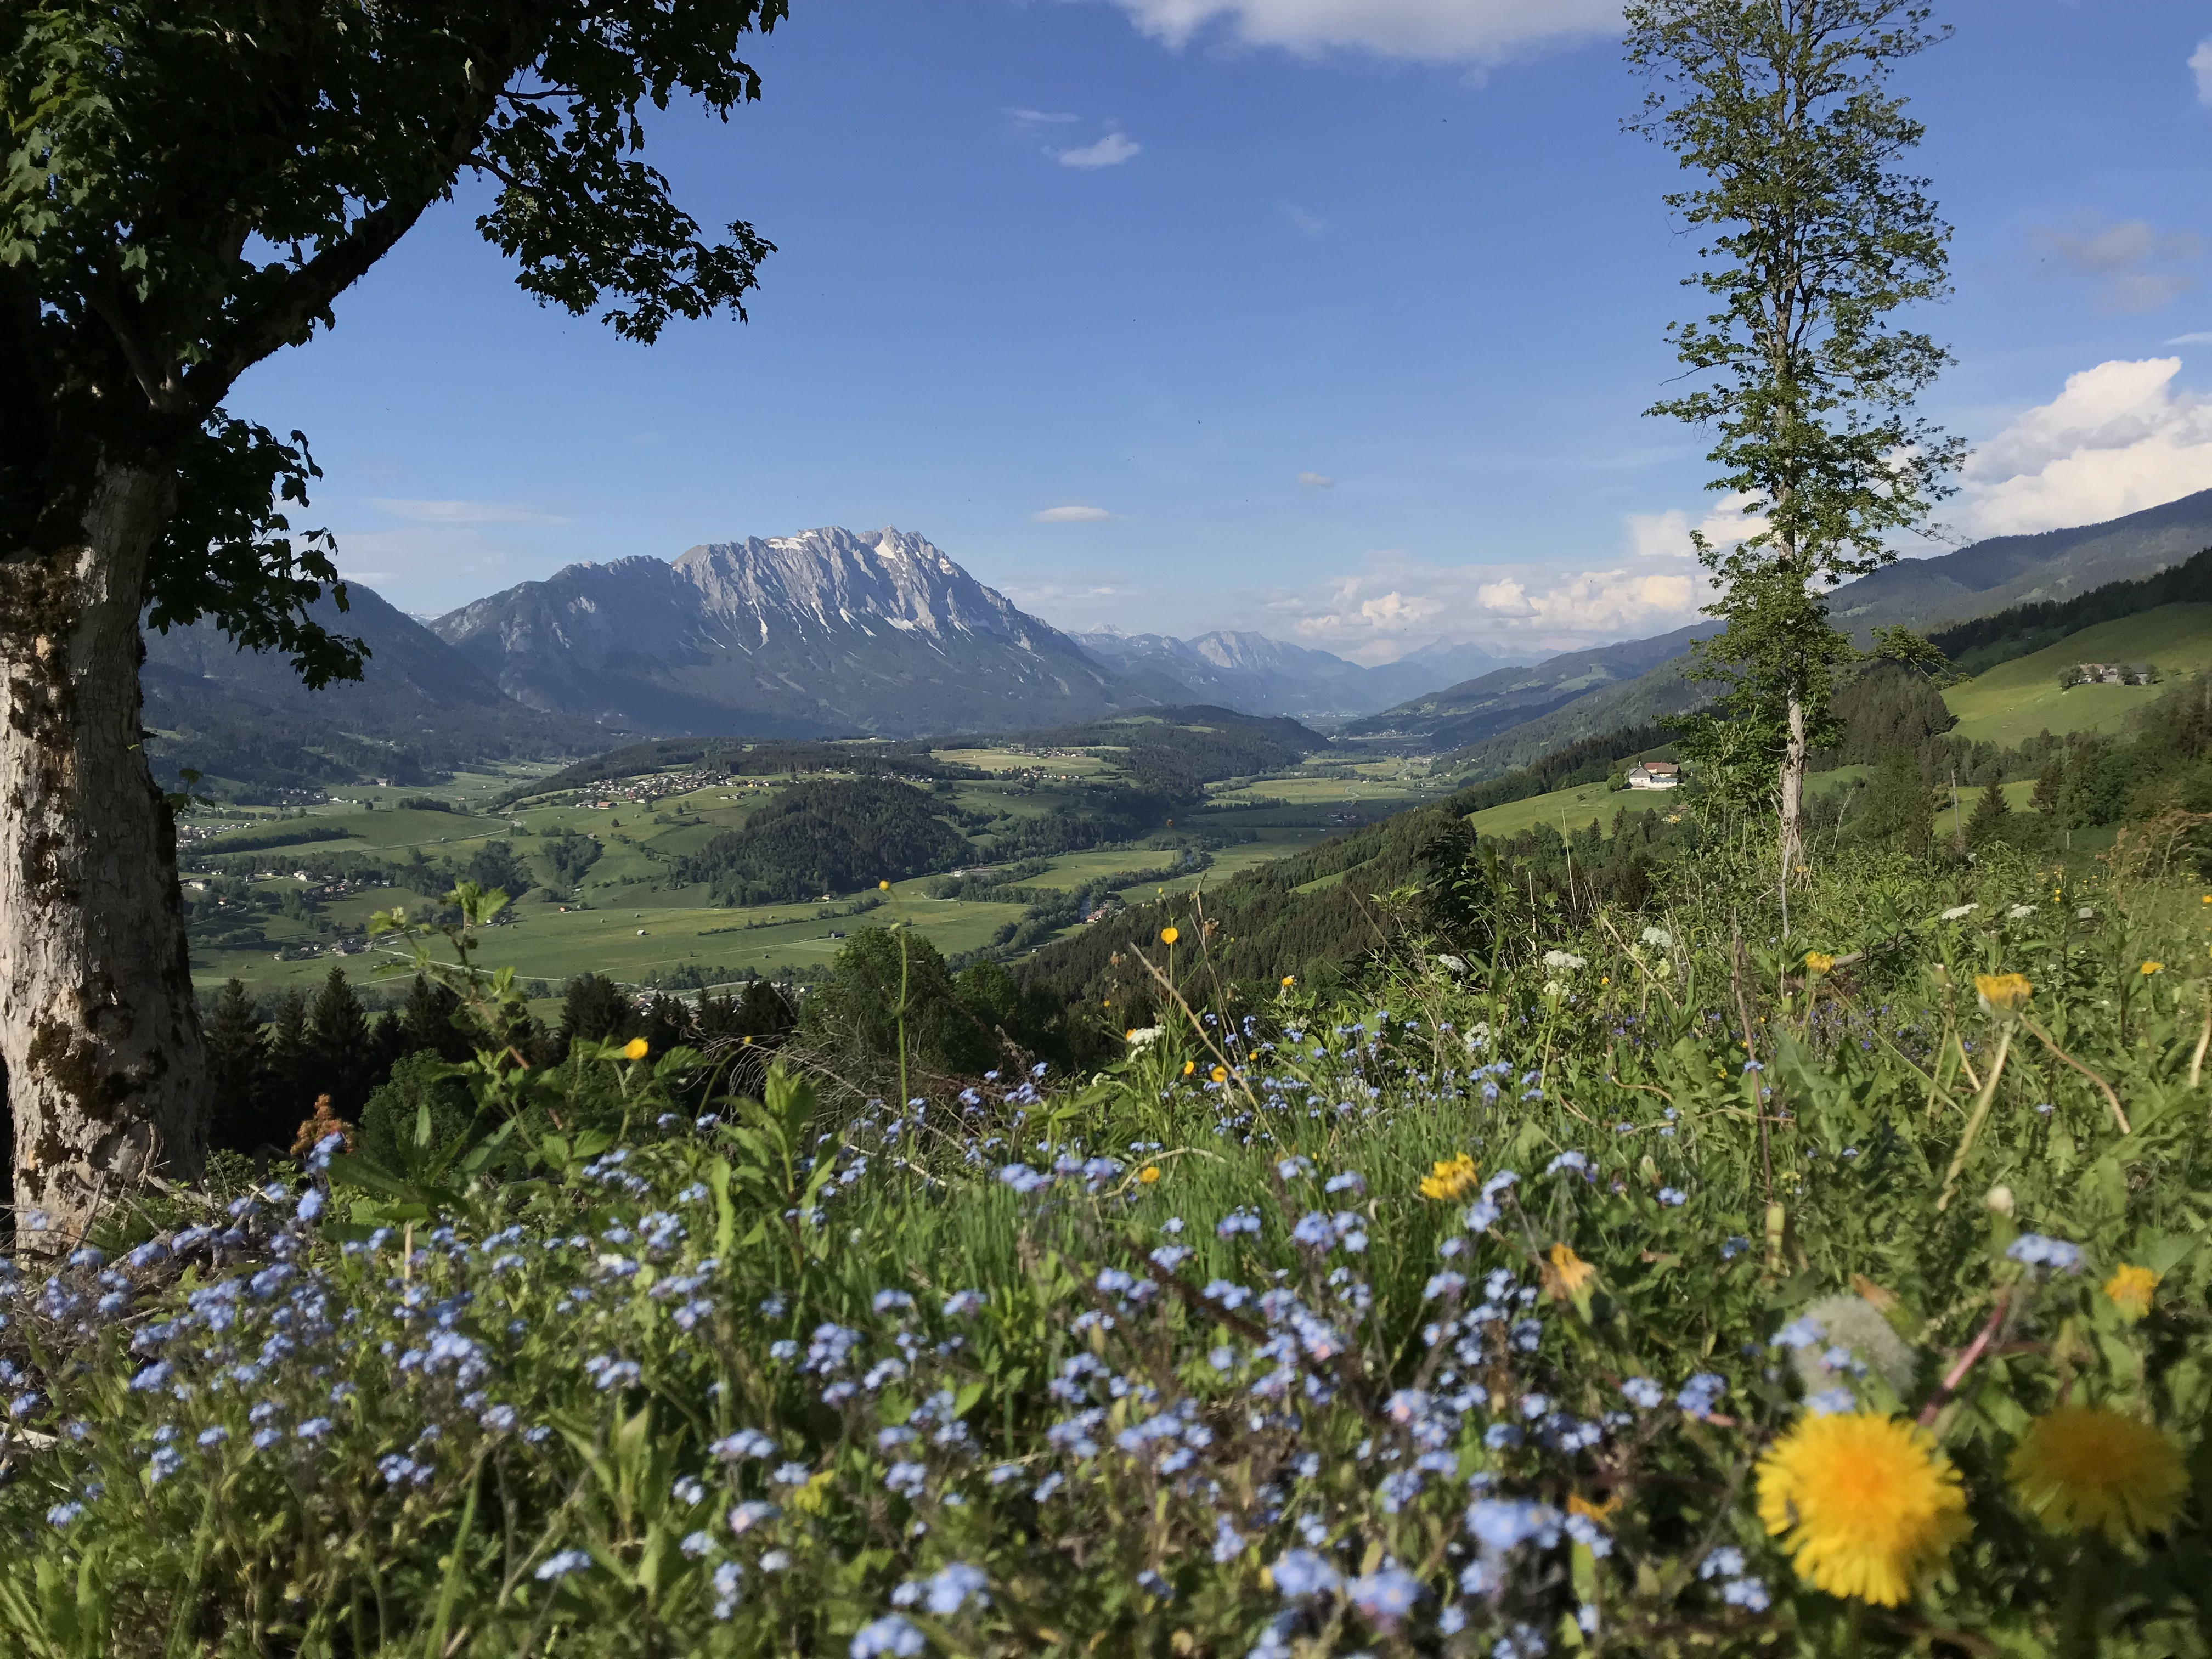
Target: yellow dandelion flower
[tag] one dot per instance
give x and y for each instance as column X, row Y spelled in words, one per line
column 1148, row 1175
column 1578, row 1504
column 882, row 887
column 1289, row 979
column 1868, row 1505
column 1130, row 1035
column 1168, row 936
column 1568, row 1272
column 2083, row 1468
column 2150, row 967
column 2130, row 1289
column 2003, row 994
column 1818, row 962
column 1221, row 1074
column 1189, row 1067
column 1447, row 1178
column 635, row 1048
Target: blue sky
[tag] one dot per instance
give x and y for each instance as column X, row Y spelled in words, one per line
column 1333, row 319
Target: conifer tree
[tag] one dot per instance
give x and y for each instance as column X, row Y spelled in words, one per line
column 237, row 1070
column 427, row 1022
column 290, row 1085
column 343, row 1048
column 2050, row 787
column 1990, row 818
column 593, row 1009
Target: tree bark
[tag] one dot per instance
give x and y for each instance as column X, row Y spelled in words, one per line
column 1793, row 792
column 98, row 1032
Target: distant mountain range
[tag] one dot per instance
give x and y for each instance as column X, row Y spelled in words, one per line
column 1255, row 675
column 834, row 633
column 830, row 633
column 1506, row 697
column 421, row 710
column 1505, row 719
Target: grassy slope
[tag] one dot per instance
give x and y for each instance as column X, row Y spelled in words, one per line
column 2018, row 699
column 1571, row 808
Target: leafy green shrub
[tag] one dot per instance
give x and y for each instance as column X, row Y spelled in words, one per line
column 424, row 1104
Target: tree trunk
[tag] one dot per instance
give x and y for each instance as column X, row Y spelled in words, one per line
column 1793, row 792
column 98, row 1033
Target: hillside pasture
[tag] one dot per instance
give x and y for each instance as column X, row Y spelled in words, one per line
column 2017, row 699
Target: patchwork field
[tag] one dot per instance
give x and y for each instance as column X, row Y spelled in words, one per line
column 628, row 915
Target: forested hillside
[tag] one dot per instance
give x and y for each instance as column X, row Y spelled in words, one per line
column 1178, row 751
column 819, row 839
column 1978, row 646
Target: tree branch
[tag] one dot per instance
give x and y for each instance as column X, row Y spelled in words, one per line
column 308, row 293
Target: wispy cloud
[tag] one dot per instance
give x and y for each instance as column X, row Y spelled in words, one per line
column 1397, row 604
column 1108, row 152
column 1038, row 117
column 2123, row 261
column 1305, row 223
column 2191, row 339
column 1072, row 515
column 2200, row 63
column 464, row 512
column 1316, row 480
column 1462, row 30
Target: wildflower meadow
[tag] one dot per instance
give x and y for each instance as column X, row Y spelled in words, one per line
column 1673, row 1284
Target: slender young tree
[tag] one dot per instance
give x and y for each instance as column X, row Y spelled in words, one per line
column 191, row 185
column 1814, row 241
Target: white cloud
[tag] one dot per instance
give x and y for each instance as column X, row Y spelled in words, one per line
column 1305, row 223
column 1316, row 480
column 1398, row 605
column 1667, row 535
column 2120, row 438
column 2201, row 62
column 2120, row 259
column 464, row 513
column 1108, row 152
column 1032, row 118
column 1439, row 31
column 1071, row 515
column 2190, row 340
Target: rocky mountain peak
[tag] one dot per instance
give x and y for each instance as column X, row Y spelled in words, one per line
column 829, row 630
